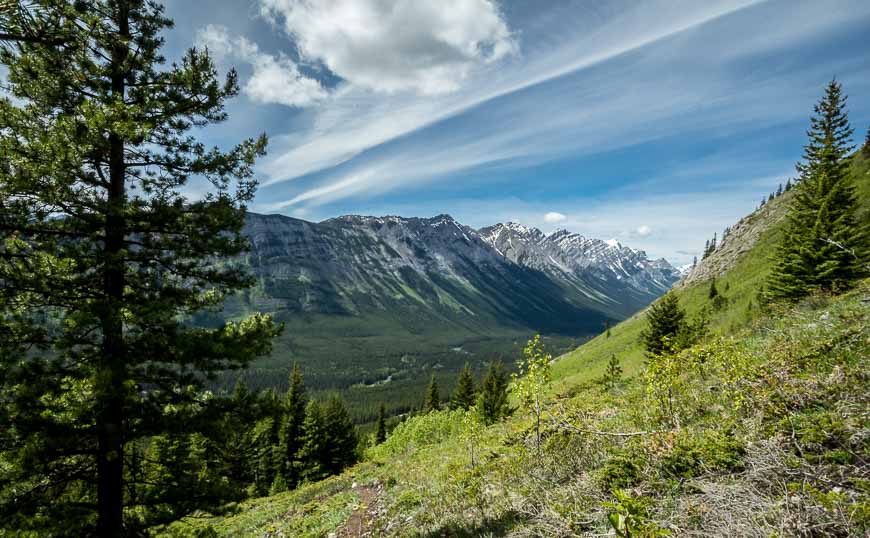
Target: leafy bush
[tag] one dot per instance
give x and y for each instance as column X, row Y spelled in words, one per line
column 423, row 430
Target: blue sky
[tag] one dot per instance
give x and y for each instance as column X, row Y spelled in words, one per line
column 656, row 123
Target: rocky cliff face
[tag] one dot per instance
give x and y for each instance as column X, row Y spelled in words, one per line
column 442, row 270
column 740, row 240
column 620, row 278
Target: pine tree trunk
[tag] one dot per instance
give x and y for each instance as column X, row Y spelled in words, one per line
column 110, row 383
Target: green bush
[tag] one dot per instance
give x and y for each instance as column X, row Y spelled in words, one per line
column 429, row 429
column 692, row 455
column 620, row 471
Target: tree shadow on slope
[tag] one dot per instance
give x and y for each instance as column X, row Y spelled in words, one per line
column 498, row 526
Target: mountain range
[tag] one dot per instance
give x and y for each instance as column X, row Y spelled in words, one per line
column 367, row 299
column 436, row 267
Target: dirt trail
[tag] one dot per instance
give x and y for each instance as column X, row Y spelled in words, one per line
column 359, row 524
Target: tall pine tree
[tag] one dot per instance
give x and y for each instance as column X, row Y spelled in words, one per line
column 341, row 437
column 292, row 429
column 822, row 247
column 492, row 401
column 433, row 398
column 381, row 428
column 103, row 258
column 465, row 393
column 315, row 449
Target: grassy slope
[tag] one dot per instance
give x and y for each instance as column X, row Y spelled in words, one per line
column 426, row 485
column 743, row 281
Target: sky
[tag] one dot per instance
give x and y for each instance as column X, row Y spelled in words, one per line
column 656, row 123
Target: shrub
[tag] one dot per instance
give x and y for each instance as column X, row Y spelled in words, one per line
column 620, row 471
column 423, row 430
column 692, row 455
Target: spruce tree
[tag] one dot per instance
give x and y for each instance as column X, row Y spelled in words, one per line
column 822, row 247
column 866, row 149
column 341, row 437
column 267, row 436
column 493, row 398
column 315, row 450
column 433, row 399
column 706, row 250
column 779, row 191
column 713, row 293
column 613, row 373
column 788, row 185
column 665, row 322
column 181, row 474
column 381, row 430
column 465, row 393
column 292, row 428
column 103, row 259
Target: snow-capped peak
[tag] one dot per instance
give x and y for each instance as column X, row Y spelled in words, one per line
column 613, row 243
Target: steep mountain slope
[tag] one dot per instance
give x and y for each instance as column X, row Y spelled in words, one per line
column 618, row 279
column 370, row 299
column 435, row 268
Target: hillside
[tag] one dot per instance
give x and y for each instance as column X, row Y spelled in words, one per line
column 762, row 431
column 373, row 305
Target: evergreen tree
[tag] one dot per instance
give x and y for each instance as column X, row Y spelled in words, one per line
column 713, row 244
column 179, row 472
column 292, row 428
column 713, row 293
column 465, row 393
column 763, row 201
column 493, row 398
column 267, row 437
column 665, row 322
column 866, row 149
column 706, row 250
column 613, row 374
column 341, row 437
column 779, row 190
column 381, row 431
column 822, row 247
column 315, row 450
column 101, row 238
column 433, row 399
column 788, row 185
column 694, row 262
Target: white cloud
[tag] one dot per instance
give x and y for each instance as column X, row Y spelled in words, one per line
column 553, row 217
column 643, row 230
column 428, row 46
column 275, row 79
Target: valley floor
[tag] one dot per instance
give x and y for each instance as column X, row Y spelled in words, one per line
column 759, row 430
